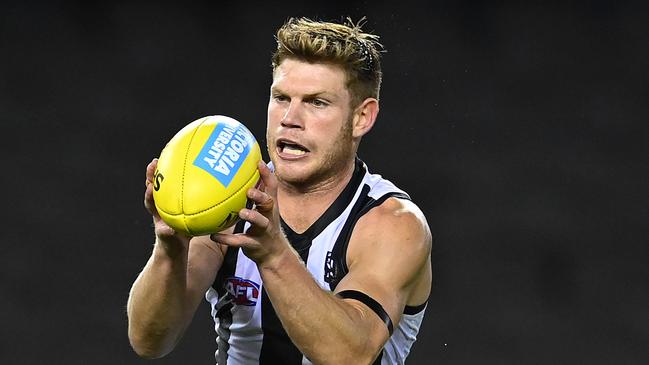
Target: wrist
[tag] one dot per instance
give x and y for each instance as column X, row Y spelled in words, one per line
column 170, row 249
column 273, row 263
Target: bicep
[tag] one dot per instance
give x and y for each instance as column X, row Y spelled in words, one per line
column 387, row 257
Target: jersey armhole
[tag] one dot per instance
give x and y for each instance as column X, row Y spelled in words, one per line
column 336, row 262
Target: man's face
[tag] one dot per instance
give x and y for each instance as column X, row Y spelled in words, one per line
column 309, row 130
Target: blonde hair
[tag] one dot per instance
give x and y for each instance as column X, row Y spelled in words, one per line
column 358, row 53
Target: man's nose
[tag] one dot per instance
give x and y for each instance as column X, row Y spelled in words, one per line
column 293, row 116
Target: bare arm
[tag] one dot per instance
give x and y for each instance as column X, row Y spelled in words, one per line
column 167, row 292
column 389, row 260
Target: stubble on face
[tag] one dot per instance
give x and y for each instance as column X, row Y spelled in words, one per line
column 331, row 166
column 338, row 155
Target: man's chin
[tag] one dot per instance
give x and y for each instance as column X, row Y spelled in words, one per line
column 290, row 174
column 296, row 175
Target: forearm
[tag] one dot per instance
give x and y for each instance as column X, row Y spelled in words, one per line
column 316, row 320
column 158, row 310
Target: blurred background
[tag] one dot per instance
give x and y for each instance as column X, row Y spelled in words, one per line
column 520, row 128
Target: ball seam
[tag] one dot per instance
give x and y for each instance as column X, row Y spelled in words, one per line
column 182, row 183
column 215, row 205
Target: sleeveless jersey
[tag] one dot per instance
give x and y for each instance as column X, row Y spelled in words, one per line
column 247, row 327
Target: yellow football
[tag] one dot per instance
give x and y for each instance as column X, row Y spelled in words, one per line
column 203, row 175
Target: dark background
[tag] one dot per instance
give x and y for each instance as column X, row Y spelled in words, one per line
column 519, row 128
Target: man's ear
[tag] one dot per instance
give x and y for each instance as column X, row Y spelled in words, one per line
column 364, row 117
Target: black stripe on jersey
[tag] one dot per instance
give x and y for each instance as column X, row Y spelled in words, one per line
column 223, row 334
column 414, row 309
column 277, row 347
column 224, row 306
column 301, row 242
column 338, row 206
column 229, row 264
column 334, row 268
column 378, row 359
column 336, row 264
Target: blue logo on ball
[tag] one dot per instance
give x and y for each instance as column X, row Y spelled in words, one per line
column 224, row 152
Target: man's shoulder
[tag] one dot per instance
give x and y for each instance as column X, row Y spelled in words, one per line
column 397, row 220
column 395, row 238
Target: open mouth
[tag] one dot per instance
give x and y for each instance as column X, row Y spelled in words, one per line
column 291, row 148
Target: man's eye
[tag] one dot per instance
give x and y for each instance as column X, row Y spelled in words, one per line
column 318, row 102
column 280, row 98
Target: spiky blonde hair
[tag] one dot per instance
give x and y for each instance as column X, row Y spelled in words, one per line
column 346, row 45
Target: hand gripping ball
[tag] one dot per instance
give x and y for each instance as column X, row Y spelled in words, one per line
column 203, row 175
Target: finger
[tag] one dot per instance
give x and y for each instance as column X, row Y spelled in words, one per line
column 149, row 202
column 150, row 169
column 257, row 219
column 162, row 229
column 267, row 178
column 260, row 185
column 234, row 240
column 263, row 201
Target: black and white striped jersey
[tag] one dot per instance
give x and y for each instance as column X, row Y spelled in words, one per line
column 248, row 329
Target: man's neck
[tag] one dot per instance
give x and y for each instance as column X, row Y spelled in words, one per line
column 301, row 206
